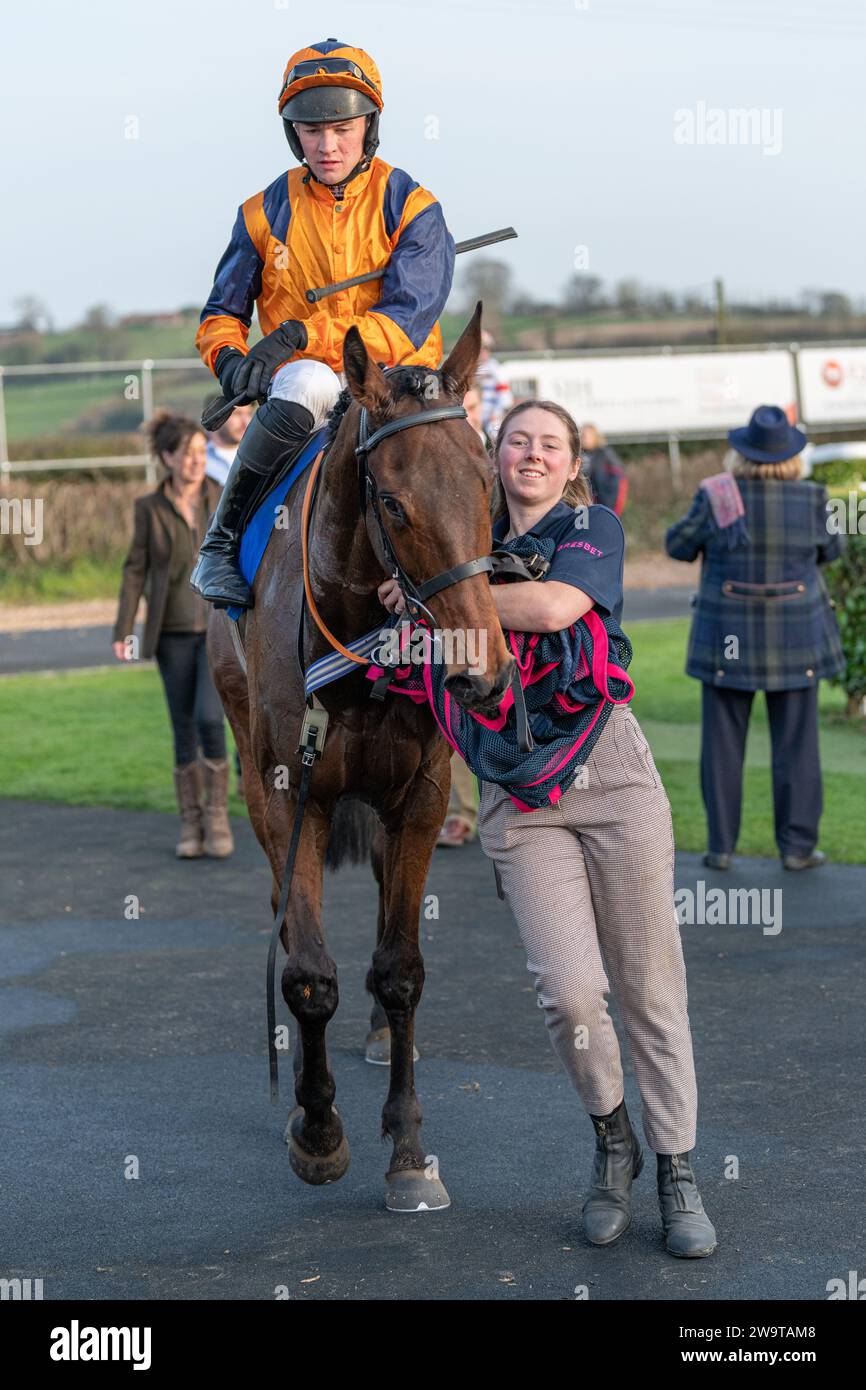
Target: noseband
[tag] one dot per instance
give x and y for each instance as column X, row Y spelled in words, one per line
column 368, row 494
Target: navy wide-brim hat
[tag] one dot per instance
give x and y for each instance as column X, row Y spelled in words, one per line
column 767, row 438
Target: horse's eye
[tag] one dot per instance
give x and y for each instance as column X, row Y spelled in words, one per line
column 393, row 506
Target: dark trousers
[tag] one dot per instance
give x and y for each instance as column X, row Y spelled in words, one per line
column 798, row 797
column 193, row 702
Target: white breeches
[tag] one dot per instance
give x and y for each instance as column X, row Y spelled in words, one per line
column 310, row 383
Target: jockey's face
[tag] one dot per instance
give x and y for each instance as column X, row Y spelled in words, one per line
column 535, row 459
column 332, row 150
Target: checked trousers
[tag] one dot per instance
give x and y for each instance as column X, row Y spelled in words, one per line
column 590, row 882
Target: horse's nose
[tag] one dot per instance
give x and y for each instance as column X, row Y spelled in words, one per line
column 478, row 693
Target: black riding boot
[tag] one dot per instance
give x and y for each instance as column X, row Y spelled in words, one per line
column 618, row 1159
column 275, row 435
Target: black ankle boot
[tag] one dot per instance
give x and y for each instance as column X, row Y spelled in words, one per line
column 277, row 433
column 688, row 1230
column 618, row 1159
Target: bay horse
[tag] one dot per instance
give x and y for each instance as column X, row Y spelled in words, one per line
column 380, row 790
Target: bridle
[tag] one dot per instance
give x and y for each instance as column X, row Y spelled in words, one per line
column 368, row 494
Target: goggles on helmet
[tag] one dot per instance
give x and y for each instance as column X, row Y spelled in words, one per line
column 329, row 65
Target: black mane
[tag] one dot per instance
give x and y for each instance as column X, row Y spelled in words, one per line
column 404, row 381
column 335, row 415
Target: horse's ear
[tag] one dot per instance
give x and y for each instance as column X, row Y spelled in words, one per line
column 365, row 378
column 459, row 367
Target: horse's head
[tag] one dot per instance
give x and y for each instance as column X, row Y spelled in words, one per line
column 432, row 484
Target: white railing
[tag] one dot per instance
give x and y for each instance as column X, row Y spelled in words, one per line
column 140, row 367
column 143, row 369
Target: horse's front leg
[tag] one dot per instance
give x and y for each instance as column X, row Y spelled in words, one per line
column 318, row 1150
column 412, row 1181
column 377, row 1045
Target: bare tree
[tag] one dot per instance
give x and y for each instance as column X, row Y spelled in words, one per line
column 98, row 318
column 33, row 315
column 582, row 294
column 629, row 296
column 491, row 281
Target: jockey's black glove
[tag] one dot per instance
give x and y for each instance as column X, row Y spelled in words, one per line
column 251, row 376
column 228, row 359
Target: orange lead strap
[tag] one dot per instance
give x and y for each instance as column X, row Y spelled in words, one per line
column 305, row 521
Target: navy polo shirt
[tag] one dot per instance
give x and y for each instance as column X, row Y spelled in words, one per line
column 590, row 550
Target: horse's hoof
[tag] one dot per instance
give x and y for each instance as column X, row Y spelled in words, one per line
column 378, row 1048
column 415, row 1189
column 315, row 1169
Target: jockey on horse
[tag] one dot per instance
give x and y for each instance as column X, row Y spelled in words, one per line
column 347, row 212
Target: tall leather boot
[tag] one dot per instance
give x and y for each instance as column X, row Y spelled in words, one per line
column 218, row 841
column 187, row 783
column 688, row 1230
column 618, row 1159
column 276, row 434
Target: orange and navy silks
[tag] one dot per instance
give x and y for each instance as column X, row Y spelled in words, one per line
column 295, row 236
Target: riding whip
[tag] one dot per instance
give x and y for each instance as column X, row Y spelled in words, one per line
column 218, row 410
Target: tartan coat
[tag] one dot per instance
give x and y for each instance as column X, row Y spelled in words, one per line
column 769, row 595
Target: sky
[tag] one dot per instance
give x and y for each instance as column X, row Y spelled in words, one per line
column 599, row 129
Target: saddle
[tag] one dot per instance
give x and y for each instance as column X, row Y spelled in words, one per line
column 271, row 481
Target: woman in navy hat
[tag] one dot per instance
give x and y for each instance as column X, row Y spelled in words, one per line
column 763, row 621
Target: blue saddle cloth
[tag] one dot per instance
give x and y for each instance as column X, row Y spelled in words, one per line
column 260, row 526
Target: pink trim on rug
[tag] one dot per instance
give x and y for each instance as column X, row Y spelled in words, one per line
column 601, row 660
column 504, row 706
column 428, row 686
column 570, row 706
column 417, row 696
column 549, row 771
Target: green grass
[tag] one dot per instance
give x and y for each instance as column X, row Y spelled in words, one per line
column 81, row 579
column 103, row 738
column 69, row 405
column 41, row 405
column 668, row 705
column 89, row 738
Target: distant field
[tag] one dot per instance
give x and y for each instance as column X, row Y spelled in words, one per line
column 38, row 406
column 90, row 405
column 57, row 406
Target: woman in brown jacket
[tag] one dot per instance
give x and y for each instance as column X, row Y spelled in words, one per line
column 170, row 524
